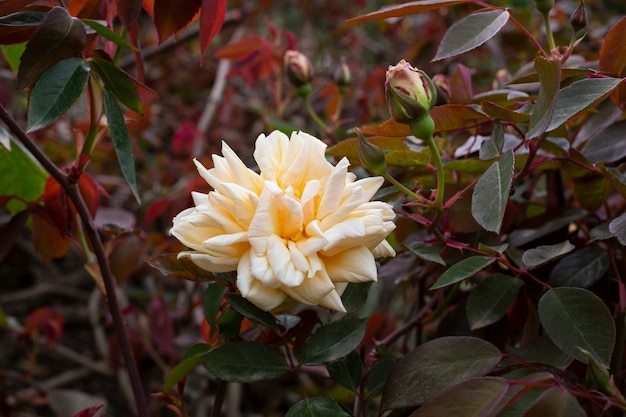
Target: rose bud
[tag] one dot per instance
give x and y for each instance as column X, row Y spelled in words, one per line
column 298, row 68
column 371, row 156
column 410, row 92
column 579, row 17
column 342, row 76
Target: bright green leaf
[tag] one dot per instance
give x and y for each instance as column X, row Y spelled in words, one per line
column 476, row 397
column 550, row 76
column 251, row 311
column 21, row 176
column 117, row 82
column 121, row 141
column 332, row 341
column 578, row 96
column 491, row 299
column 471, row 32
column 540, row 255
column 436, row 366
column 108, row 34
column 555, row 402
column 575, row 318
column 244, row 362
column 427, row 251
column 55, row 92
column 181, row 370
column 12, row 54
column 212, row 300
column 317, row 407
column 582, row 268
column 491, row 193
column 462, row 270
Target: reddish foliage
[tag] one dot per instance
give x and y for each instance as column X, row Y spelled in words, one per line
column 45, row 321
column 90, row 412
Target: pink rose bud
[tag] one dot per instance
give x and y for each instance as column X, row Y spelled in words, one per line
column 298, row 68
column 410, row 92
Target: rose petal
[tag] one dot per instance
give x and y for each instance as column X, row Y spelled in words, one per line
column 210, row 263
column 264, row 297
column 354, row 265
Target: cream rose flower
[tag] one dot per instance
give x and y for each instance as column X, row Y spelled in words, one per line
column 301, row 228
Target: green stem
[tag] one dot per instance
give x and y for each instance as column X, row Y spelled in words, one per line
column 546, row 22
column 314, row 116
column 94, row 116
column 402, row 187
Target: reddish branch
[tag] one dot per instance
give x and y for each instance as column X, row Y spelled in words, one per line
column 71, row 188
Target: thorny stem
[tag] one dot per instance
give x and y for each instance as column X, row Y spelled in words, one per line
column 105, row 269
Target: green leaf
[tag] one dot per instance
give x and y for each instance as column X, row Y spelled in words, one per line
column 471, row 32
column 181, row 370
column 542, row 350
column 20, row 176
column 396, row 151
column 492, row 147
column 121, row 141
column 491, row 299
column 436, row 366
column 317, row 407
column 108, row 34
column 555, row 402
column 244, row 362
column 347, row 372
column 229, row 324
column 462, row 270
column 249, row 310
column 355, row 295
column 578, row 96
column 12, row 54
column 521, row 237
column 212, row 300
column 618, row 228
column 332, row 341
column 572, row 327
column 378, row 375
column 502, row 113
column 491, row 193
column 607, row 146
column 183, row 268
column 478, row 397
column 117, row 82
column 28, row 18
column 582, row 268
column 427, row 251
column 615, row 177
column 549, row 76
column 532, row 258
column 59, row 36
column 55, row 92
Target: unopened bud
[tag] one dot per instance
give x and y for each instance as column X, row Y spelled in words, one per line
column 410, row 92
column 579, row 17
column 544, row 6
column 298, row 68
column 371, row 156
column 342, row 76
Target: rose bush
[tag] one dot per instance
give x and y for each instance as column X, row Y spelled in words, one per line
column 301, row 227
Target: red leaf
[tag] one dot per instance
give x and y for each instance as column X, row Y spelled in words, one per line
column 613, row 58
column 155, row 210
column 13, row 6
column 183, row 140
column 212, row 14
column 90, row 412
column 128, row 11
column 47, row 321
column 57, row 207
column 90, row 190
column 408, row 9
column 172, row 16
column 58, row 36
column 48, row 240
column 86, row 9
column 258, row 58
